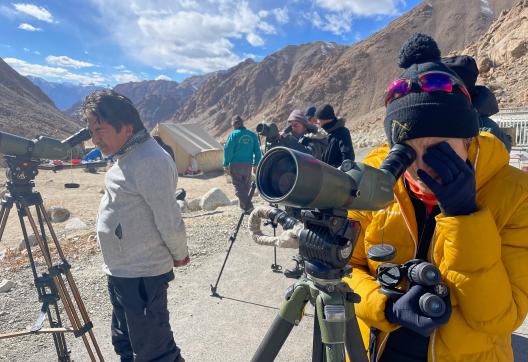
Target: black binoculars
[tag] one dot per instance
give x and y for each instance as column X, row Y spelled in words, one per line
column 417, row 272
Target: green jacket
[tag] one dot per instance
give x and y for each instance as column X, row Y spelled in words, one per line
column 242, row 146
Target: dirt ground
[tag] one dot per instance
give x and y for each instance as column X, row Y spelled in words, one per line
column 205, row 327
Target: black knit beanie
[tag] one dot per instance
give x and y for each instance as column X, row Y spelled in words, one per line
column 427, row 114
column 325, row 112
column 465, row 67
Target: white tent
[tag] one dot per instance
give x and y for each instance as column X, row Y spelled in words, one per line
column 194, row 149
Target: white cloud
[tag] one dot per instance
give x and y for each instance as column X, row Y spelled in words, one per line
column 35, row 11
column 27, row 49
column 120, row 67
column 55, row 73
column 126, row 77
column 182, row 35
column 36, row 52
column 65, row 61
column 163, row 77
column 185, row 71
column 28, row 27
column 360, row 7
column 281, row 15
column 254, row 39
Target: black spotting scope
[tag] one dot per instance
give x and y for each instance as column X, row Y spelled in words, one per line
column 297, row 179
column 42, row 147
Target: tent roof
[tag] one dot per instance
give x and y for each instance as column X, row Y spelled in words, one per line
column 191, row 137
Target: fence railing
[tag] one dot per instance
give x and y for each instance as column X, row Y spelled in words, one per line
column 517, row 119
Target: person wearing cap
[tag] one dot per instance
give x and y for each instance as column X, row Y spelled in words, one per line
column 241, row 156
column 482, row 97
column 339, row 141
column 459, row 206
column 309, row 114
column 303, row 136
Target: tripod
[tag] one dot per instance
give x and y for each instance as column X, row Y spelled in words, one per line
column 326, row 244
column 51, row 285
column 232, row 239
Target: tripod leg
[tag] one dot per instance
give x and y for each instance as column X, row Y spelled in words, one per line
column 59, row 283
column 353, row 340
column 232, row 238
column 290, row 315
column 317, row 344
column 41, row 212
column 4, row 214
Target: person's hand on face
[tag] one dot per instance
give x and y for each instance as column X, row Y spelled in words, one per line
column 453, row 182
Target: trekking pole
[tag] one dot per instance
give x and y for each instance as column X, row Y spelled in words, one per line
column 232, row 238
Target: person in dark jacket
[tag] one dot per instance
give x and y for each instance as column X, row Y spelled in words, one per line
column 482, row 97
column 300, row 135
column 339, row 141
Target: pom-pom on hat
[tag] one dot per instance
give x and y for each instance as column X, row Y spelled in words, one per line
column 428, row 114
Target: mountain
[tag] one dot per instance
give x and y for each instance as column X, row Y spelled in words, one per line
column 351, row 78
column 250, row 86
column 26, row 111
column 502, row 57
column 63, row 94
column 156, row 100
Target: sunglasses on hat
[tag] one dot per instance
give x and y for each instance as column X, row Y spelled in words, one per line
column 427, row 82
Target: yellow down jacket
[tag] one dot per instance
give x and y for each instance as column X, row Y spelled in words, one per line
column 483, row 258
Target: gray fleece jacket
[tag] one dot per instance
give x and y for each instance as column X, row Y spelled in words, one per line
column 139, row 224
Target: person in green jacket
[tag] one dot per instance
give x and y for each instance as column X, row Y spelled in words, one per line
column 241, row 155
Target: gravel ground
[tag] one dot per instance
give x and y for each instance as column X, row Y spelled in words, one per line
column 205, row 327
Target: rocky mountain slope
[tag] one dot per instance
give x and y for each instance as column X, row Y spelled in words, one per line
column 352, row 78
column 502, row 56
column 26, row 111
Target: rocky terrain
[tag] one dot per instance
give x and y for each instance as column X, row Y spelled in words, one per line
column 26, row 111
column 502, row 56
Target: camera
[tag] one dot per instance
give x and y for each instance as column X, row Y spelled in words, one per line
column 417, row 272
column 269, row 130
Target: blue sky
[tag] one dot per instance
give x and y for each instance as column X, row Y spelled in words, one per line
column 106, row 42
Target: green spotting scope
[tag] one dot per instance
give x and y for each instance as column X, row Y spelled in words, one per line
column 42, row 147
column 297, row 179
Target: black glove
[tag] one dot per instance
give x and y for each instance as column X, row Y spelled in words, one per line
column 456, row 194
column 406, row 312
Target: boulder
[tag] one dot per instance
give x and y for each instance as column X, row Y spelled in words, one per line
column 6, row 285
column 75, row 224
column 194, row 205
column 214, row 198
column 58, row 214
column 32, row 242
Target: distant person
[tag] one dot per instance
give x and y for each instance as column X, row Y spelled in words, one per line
column 303, row 136
column 339, row 141
column 309, row 114
column 482, row 97
column 139, row 228
column 241, row 157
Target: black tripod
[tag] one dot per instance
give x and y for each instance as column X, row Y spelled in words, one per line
column 232, row 239
column 328, row 239
column 51, row 285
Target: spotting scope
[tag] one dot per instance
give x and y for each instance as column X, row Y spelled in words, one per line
column 297, row 179
column 41, row 147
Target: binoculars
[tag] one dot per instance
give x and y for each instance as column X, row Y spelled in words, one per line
column 417, row 272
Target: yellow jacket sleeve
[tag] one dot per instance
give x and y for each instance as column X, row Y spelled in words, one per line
column 371, row 308
column 487, row 270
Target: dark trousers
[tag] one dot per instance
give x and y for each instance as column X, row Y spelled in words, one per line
column 241, row 176
column 140, row 319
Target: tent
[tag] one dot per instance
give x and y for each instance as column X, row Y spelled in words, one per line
column 194, row 149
